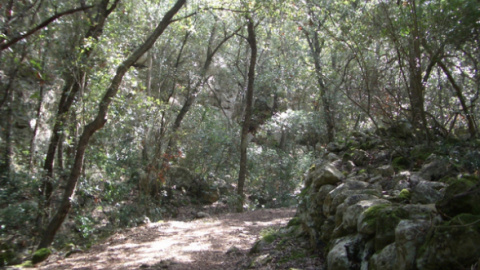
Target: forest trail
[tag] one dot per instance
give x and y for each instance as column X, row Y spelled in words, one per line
column 216, row 242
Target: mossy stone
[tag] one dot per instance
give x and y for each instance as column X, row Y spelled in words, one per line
column 452, row 245
column 41, row 255
column 295, row 221
column 405, row 195
column 372, row 212
column 461, row 196
column 386, row 218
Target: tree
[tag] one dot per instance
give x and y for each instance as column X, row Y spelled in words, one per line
column 75, row 80
column 316, row 45
column 252, row 41
column 99, row 122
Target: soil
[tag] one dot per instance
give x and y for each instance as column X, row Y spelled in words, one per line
column 221, row 241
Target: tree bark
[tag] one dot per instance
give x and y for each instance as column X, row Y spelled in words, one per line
column 98, row 123
column 252, row 41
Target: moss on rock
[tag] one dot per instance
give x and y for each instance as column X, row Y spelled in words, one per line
column 452, row 245
column 461, row 196
column 372, row 213
column 405, row 195
column 41, row 255
column 387, row 220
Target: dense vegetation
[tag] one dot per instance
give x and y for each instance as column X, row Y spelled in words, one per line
column 106, row 104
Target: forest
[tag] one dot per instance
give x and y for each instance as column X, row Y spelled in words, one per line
column 117, row 111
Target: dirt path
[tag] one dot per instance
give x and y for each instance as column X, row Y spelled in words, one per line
column 218, row 242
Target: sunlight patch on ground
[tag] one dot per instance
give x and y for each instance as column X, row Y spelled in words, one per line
column 197, row 244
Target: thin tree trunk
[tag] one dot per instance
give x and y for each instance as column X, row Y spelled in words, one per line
column 327, row 107
column 73, row 84
column 242, row 174
column 472, row 129
column 6, row 163
column 7, row 101
column 328, row 111
column 35, row 130
column 98, row 123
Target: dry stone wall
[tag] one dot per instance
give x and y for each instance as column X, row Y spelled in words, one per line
column 370, row 213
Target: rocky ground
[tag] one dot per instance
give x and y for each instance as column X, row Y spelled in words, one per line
column 222, row 241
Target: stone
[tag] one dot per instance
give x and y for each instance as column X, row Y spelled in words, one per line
column 404, row 195
column 349, row 165
column 41, row 255
column 202, row 215
column 342, row 191
column 409, row 236
column 386, row 221
column 420, row 211
column 233, row 250
column 452, row 245
column 260, row 260
column 337, row 258
column 385, row 171
column 352, row 213
column 384, row 260
column 426, row 192
column 359, row 157
column 318, row 198
column 366, row 221
column 434, row 170
column 461, row 196
column 326, row 231
column 325, row 175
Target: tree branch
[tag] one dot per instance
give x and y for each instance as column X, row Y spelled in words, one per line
column 41, row 26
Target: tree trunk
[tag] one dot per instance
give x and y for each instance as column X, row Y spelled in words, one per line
column 416, row 87
column 6, row 162
column 70, row 89
column 328, row 111
column 35, row 130
column 242, row 174
column 98, row 123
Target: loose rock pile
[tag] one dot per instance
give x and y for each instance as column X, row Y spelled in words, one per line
column 375, row 205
